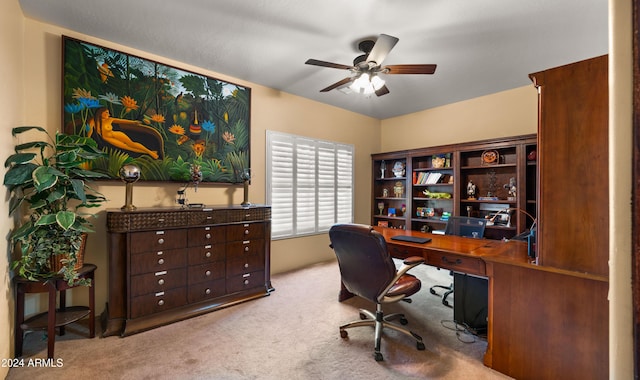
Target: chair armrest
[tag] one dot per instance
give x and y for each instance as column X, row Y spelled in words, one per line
column 413, row 260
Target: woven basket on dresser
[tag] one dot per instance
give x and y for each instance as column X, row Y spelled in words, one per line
column 55, row 263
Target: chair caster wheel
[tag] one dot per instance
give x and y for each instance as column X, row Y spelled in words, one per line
column 420, row 346
column 445, row 303
column 403, row 321
column 433, row 292
column 362, row 316
column 378, row 356
column 343, row 334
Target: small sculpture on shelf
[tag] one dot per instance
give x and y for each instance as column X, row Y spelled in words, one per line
column 471, row 190
column 511, row 187
column 398, row 169
column 383, row 168
column 398, row 189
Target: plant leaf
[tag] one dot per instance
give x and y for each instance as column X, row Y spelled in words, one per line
column 43, row 179
column 19, row 174
column 65, row 219
column 19, row 158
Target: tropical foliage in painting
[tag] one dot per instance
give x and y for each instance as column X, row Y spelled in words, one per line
column 160, row 118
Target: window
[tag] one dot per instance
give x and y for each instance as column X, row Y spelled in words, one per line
column 309, row 184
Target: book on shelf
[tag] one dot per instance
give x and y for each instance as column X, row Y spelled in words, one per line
column 424, row 178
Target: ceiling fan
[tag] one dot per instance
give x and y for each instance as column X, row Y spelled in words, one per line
column 368, row 66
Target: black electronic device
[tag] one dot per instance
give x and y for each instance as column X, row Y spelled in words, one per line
column 411, row 239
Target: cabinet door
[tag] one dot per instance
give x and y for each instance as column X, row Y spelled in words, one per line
column 573, row 232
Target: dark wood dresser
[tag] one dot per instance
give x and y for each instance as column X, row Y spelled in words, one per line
column 169, row 264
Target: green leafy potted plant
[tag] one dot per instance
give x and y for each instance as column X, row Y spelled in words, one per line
column 48, row 181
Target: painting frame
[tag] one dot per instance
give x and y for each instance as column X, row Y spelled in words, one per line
column 174, row 124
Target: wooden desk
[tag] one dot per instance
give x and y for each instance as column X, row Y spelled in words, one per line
column 543, row 322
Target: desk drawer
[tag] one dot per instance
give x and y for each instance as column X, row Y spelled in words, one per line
column 403, row 251
column 457, row 263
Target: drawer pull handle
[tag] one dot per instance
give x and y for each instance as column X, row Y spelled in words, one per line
column 208, row 236
column 160, row 302
column 246, row 232
column 160, row 241
column 246, row 265
column 246, row 249
column 209, row 217
column 207, row 291
column 161, row 273
column 161, row 281
column 246, row 282
column 160, row 261
column 447, row 261
column 207, row 273
column 208, row 254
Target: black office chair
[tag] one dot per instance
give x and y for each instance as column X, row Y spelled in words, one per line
column 368, row 271
column 460, row 226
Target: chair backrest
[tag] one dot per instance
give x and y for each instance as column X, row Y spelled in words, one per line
column 466, row 226
column 365, row 264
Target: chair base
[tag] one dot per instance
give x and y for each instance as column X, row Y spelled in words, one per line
column 445, row 295
column 380, row 321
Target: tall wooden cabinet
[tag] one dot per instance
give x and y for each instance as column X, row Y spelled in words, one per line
column 433, row 182
column 551, row 320
column 168, row 264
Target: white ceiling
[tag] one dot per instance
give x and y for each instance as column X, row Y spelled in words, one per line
column 480, row 47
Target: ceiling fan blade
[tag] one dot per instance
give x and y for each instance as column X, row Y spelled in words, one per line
column 338, row 84
column 383, row 46
column 410, row 69
column 316, row 62
column 382, row 90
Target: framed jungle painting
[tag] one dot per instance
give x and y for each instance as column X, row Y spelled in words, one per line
column 167, row 121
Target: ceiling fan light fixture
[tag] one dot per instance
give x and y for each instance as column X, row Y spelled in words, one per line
column 366, row 84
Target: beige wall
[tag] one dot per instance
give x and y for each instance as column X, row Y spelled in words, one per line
column 507, row 113
column 12, row 111
column 620, row 183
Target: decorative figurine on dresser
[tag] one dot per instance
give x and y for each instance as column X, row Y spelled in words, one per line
column 168, row 264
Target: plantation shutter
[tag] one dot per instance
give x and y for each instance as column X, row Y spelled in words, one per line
column 309, row 184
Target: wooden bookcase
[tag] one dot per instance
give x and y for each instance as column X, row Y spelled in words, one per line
column 434, row 185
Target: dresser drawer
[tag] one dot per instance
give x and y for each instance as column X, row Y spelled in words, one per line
column 206, row 272
column 207, row 217
column 457, row 263
column 207, row 253
column 207, row 235
column 245, row 231
column 245, row 281
column 206, row 290
column 403, row 251
column 158, row 302
column 158, row 281
column 157, row 240
column 243, row 248
column 158, row 261
column 245, row 264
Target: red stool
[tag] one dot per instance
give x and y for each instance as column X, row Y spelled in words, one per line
column 52, row 319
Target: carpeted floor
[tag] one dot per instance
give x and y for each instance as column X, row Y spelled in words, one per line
column 292, row 334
